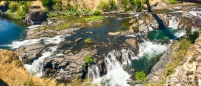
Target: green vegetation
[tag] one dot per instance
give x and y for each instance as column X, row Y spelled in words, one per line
column 18, row 9
column 172, row 1
column 13, row 6
column 88, row 60
column 113, row 5
column 140, row 76
column 48, row 4
column 193, row 36
column 183, row 46
column 104, row 5
column 58, row 5
column 88, row 41
column 97, row 12
column 93, row 18
column 124, row 5
column 138, row 5
column 28, row 82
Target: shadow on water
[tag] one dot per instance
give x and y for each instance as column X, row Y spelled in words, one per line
column 162, row 27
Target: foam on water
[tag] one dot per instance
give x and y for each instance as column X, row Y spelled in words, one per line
column 173, row 23
column 115, row 76
column 196, row 13
column 180, row 33
column 150, row 49
column 45, row 40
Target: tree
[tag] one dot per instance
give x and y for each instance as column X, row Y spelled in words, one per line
column 13, row 6
column 48, row 4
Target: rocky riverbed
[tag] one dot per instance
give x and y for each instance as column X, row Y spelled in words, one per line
column 60, row 54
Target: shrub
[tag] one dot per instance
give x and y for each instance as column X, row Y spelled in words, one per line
column 139, row 5
column 47, row 3
column 124, row 4
column 88, row 41
column 28, row 82
column 113, row 5
column 58, row 5
column 104, row 5
column 173, row 1
column 88, row 59
column 140, row 76
column 13, row 6
column 97, row 12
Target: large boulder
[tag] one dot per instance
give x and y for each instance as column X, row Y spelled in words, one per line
column 29, row 53
column 36, row 15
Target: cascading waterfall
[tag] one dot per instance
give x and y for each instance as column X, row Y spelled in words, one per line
column 180, row 33
column 36, row 67
column 173, row 23
column 116, row 75
column 196, row 13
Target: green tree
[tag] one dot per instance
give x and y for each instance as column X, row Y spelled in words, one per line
column 13, row 6
column 140, row 76
column 138, row 5
column 124, row 5
column 48, row 4
column 104, row 5
column 113, row 5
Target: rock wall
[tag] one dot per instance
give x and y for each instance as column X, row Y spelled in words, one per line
column 188, row 72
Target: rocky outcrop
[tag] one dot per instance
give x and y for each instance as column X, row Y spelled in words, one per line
column 188, row 72
column 36, row 15
column 159, row 69
column 29, row 53
column 66, row 67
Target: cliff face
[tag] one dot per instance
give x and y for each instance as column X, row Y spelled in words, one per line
column 188, row 72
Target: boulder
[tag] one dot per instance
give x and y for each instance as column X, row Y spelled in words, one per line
column 143, row 28
column 132, row 42
column 36, row 15
column 29, row 53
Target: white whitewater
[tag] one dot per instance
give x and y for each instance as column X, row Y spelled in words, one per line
column 196, row 13
column 150, row 49
column 180, row 33
column 36, row 67
column 173, row 23
column 116, row 75
column 45, row 40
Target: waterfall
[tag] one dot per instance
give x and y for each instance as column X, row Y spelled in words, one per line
column 173, row 23
column 93, row 72
column 36, row 67
column 116, row 75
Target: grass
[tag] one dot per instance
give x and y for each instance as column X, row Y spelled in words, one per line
column 88, row 41
column 14, row 74
column 93, row 18
column 183, row 46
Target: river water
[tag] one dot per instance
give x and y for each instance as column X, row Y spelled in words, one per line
column 11, row 30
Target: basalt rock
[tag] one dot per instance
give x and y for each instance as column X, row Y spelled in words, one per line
column 36, row 15
column 29, row 53
column 66, row 67
column 188, row 72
